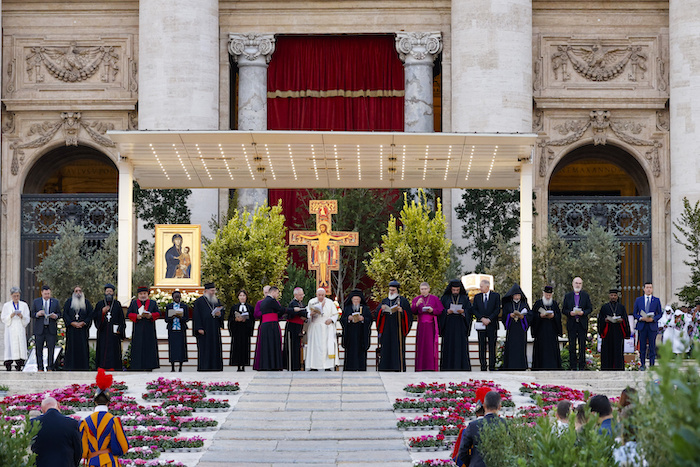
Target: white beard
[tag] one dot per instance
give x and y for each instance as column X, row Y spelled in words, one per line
column 577, row 290
column 78, row 304
column 546, row 302
column 393, row 296
column 211, row 299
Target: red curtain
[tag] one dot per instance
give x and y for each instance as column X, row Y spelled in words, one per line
column 332, row 83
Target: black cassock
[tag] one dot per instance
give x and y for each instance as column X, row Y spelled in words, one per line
column 111, row 327
column 612, row 348
column 209, row 347
column 144, row 343
column 545, row 331
column 393, row 329
column 356, row 338
column 454, row 329
column 515, row 349
column 77, row 350
column 291, row 353
column 241, row 332
column 270, row 336
column 177, row 336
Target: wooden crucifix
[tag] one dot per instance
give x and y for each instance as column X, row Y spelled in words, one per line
column 323, row 245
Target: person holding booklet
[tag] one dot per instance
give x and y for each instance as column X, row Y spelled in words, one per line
column 455, row 325
column 647, row 312
column 516, row 315
column 577, row 308
column 268, row 355
column 240, row 327
column 394, row 321
column 357, row 323
column 208, row 322
column 486, row 307
column 545, row 326
column 143, row 312
column 427, row 307
column 614, row 328
column 177, row 315
column 111, row 326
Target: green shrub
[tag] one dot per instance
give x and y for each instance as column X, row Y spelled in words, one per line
column 15, row 442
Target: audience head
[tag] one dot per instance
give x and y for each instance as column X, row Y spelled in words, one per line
column 15, row 293
column 563, row 410
column 266, row 291
column 142, row 293
column 45, row 292
column 600, row 404
column 577, row 284
column 492, row 401
column 48, row 403
column 320, row 294
column 581, row 417
column 177, row 296
column 627, row 397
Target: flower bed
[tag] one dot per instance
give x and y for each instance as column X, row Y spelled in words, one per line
column 551, row 394
column 158, row 430
column 427, row 443
column 144, row 453
column 428, row 421
column 224, row 387
column 149, row 463
column 189, row 423
column 435, row 463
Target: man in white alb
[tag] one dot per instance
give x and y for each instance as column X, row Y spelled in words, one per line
column 322, row 351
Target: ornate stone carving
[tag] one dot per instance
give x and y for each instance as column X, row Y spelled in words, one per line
column 133, row 121
column 10, row 88
column 662, row 120
column 73, row 64
column 537, row 75
column 4, row 205
column 71, row 123
column 251, row 46
column 418, row 45
column 133, row 76
column 537, row 120
column 662, row 78
column 8, row 126
column 598, row 63
column 667, row 203
column 600, row 123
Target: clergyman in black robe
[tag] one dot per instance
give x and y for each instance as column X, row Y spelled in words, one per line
column 291, row 352
column 177, row 314
column 269, row 353
column 356, row 321
column 143, row 312
column 545, row 326
column 614, row 328
column 240, row 326
column 208, row 321
column 455, row 325
column 516, row 314
column 394, row 321
column 77, row 313
column 111, row 326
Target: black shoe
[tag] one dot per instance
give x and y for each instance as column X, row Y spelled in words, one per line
column 328, row 369
column 8, row 365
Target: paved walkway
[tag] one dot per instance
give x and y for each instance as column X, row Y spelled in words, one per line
column 320, row 419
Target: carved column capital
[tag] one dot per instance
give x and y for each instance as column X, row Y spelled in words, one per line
column 251, row 48
column 418, row 46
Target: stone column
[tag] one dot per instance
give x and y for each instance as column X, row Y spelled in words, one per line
column 526, row 228
column 684, row 37
column 417, row 50
column 125, row 245
column 491, row 77
column 252, row 52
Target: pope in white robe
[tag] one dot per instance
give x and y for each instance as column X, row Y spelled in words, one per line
column 322, row 347
column 15, row 317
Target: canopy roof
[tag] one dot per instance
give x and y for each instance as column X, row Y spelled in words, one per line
column 318, row 159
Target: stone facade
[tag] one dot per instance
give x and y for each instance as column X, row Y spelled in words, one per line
column 577, row 73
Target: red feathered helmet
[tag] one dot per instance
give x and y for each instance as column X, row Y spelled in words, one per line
column 104, row 381
column 480, row 395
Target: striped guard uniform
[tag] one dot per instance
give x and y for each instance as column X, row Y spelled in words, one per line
column 103, row 439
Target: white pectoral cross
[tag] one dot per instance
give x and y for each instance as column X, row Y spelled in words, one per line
column 109, row 316
column 77, row 315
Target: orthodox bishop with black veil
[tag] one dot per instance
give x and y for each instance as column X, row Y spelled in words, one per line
column 546, row 328
column 614, row 328
column 208, row 322
column 516, row 316
column 455, row 325
column 77, row 313
column 356, row 321
column 394, row 321
column 111, row 326
column 143, row 312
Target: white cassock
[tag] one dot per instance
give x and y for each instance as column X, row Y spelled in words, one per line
column 666, row 323
column 322, row 347
column 679, row 332
column 15, row 330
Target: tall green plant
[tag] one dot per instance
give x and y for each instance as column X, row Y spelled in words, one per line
column 688, row 236
column 15, row 442
column 70, row 261
column 414, row 252
column 249, row 252
column 506, row 265
column 551, row 263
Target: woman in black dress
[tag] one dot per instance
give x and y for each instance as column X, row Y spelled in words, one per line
column 240, row 326
column 177, row 314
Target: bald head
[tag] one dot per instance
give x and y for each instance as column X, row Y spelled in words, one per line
column 48, row 403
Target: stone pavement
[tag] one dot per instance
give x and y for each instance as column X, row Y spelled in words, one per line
column 310, row 418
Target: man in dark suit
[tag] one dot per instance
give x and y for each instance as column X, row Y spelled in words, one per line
column 577, row 307
column 58, row 442
column 469, row 445
column 486, row 307
column 647, row 324
column 45, row 313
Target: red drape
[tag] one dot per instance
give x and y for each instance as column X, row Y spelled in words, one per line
column 332, row 83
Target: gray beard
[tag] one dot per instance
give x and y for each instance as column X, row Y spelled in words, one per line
column 77, row 304
column 211, row 299
column 577, row 290
column 393, row 296
column 546, row 302
column 356, row 308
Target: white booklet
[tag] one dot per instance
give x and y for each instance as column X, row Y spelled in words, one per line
column 479, row 326
column 456, row 308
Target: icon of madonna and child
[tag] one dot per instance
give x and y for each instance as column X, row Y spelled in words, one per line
column 177, row 260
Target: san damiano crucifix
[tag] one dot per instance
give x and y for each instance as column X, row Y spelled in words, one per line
column 323, row 245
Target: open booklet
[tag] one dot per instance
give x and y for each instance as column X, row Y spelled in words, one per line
column 218, row 309
column 244, row 315
column 392, row 309
column 614, row 319
column 545, row 312
column 479, row 326
column 456, row 308
column 644, row 314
